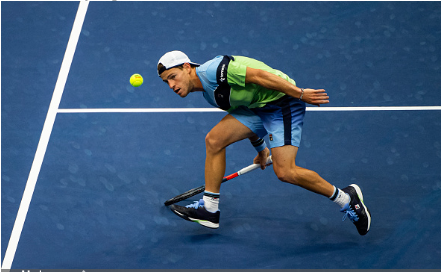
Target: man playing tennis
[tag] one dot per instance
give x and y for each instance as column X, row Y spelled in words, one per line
column 260, row 101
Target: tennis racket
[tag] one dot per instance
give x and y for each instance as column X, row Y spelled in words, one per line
column 200, row 189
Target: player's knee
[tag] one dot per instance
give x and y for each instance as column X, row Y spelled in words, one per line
column 212, row 143
column 289, row 175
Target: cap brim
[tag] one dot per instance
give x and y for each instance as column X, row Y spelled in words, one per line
column 163, row 69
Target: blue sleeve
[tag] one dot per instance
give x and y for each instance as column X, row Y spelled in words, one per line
column 207, row 75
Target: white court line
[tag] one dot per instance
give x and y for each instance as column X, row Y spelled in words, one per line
column 147, row 110
column 45, row 135
column 395, row 108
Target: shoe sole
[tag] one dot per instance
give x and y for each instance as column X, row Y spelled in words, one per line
column 360, row 196
column 204, row 223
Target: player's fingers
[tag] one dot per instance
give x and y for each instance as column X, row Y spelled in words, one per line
column 318, row 91
column 265, row 163
column 258, row 160
column 317, row 102
column 317, row 94
column 321, row 96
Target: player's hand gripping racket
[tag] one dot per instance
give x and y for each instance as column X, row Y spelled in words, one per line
column 200, row 189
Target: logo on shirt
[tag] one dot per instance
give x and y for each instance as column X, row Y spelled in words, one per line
column 271, row 137
column 222, row 73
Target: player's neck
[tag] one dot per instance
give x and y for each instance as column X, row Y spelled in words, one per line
column 196, row 81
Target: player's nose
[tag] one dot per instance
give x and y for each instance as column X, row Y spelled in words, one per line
column 171, row 84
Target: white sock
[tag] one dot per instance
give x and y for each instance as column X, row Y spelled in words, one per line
column 339, row 197
column 211, row 201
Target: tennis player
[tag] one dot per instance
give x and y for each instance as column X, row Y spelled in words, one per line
column 260, row 101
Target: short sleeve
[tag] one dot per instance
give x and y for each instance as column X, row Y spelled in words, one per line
column 236, row 73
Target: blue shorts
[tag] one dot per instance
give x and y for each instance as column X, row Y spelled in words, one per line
column 281, row 119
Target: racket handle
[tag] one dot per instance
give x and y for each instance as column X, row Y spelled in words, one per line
column 254, row 167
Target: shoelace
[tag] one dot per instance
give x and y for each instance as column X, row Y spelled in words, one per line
column 351, row 214
column 196, row 204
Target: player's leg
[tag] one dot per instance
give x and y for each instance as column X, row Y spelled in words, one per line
column 350, row 199
column 284, row 122
column 229, row 130
column 287, row 171
column 239, row 125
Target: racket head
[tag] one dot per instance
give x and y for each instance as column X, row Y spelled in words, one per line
column 185, row 195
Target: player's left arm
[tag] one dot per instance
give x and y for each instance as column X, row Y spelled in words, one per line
column 273, row 82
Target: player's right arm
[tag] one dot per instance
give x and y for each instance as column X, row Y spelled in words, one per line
column 262, row 154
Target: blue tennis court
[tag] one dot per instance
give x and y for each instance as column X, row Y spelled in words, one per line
column 115, row 153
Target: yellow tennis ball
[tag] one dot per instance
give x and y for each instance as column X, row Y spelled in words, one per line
column 136, row 80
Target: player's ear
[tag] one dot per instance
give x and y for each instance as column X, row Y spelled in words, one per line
column 187, row 66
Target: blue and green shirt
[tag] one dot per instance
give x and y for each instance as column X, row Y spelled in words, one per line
column 223, row 80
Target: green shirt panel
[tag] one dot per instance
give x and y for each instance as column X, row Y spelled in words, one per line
column 251, row 95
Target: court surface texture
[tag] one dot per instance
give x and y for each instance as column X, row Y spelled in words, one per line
column 87, row 160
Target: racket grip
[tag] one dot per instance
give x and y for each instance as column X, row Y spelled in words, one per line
column 269, row 160
column 254, row 167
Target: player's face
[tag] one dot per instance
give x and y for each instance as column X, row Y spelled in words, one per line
column 178, row 80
